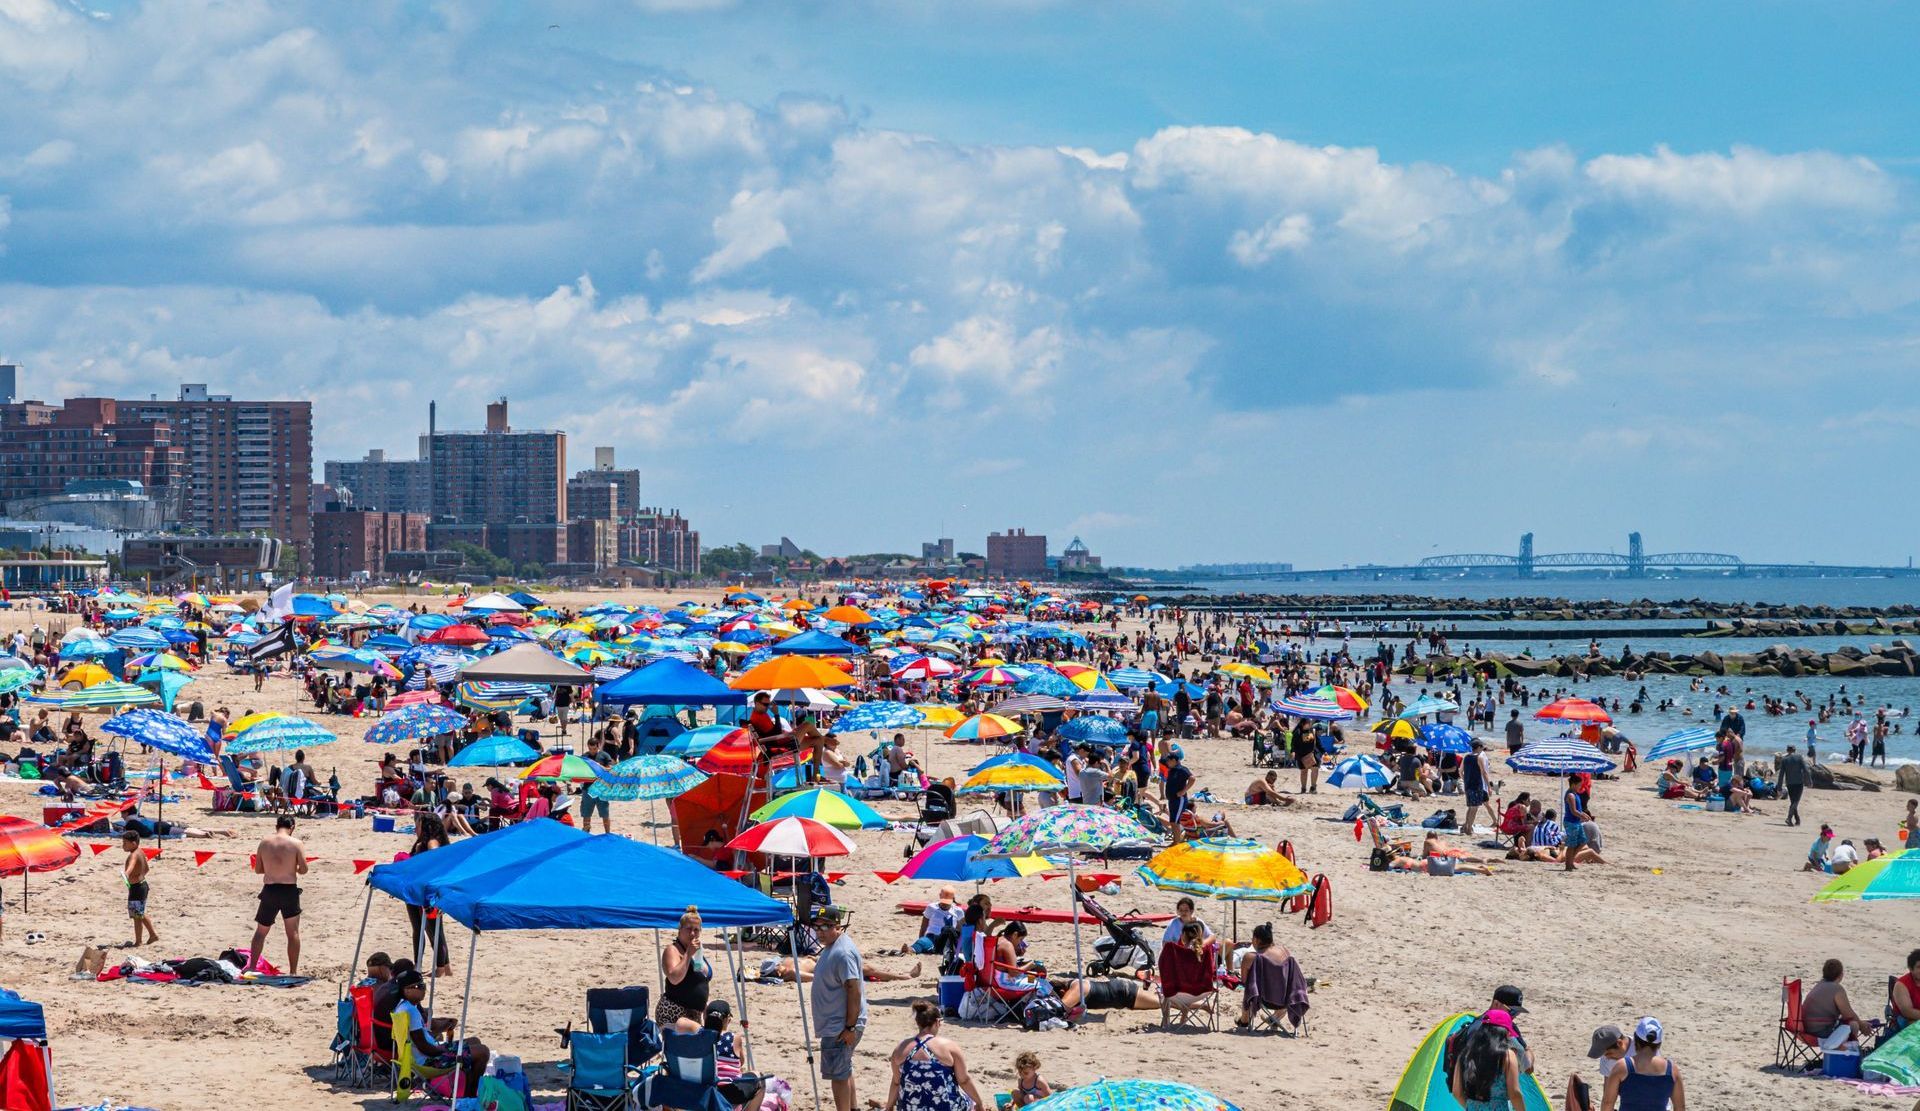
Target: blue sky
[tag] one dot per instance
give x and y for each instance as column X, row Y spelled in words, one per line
column 1279, row 281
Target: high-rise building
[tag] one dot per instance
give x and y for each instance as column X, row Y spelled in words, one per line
column 248, row 464
column 1015, row 554
column 346, row 541
column 592, row 484
column 376, row 482
column 47, row 449
column 499, row 476
column 661, row 538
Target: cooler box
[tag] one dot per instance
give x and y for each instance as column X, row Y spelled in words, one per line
column 383, row 823
column 951, row 992
column 57, row 813
column 1841, row 1065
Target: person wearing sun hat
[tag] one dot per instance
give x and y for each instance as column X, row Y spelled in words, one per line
column 1649, row 1082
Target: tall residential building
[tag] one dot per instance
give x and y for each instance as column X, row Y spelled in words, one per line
column 1014, row 554
column 248, row 464
column 349, row 540
column 376, row 482
column 661, row 538
column 47, row 449
column 499, row 476
column 592, row 485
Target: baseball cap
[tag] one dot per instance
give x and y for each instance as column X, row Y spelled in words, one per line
column 1509, row 997
column 831, row 915
column 719, row 1008
column 1500, row 1018
column 1648, row 1030
column 409, row 979
column 1604, row 1038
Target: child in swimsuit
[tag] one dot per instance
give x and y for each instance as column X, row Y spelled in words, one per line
column 1031, row 1087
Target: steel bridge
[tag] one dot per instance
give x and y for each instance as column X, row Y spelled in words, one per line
column 1636, row 564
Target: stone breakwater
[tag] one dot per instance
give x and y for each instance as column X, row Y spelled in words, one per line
column 1897, row 659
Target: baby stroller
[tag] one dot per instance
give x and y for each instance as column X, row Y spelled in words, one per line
column 1124, row 946
column 1268, row 752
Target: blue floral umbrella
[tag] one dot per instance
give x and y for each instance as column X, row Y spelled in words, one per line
column 497, row 751
column 160, row 730
column 1133, row 1095
column 415, row 723
column 279, row 735
column 1443, row 736
column 646, row 778
column 1095, row 729
column 871, row 717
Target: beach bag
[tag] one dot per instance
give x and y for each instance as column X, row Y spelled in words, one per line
column 1380, row 860
column 1041, row 1009
column 976, row 1006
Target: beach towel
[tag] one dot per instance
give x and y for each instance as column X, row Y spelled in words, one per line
column 1279, row 984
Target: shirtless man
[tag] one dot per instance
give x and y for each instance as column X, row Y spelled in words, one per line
column 281, row 860
column 1265, row 792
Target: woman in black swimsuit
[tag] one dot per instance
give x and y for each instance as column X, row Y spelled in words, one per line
column 688, row 975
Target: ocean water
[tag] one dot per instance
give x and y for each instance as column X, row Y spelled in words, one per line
column 1693, row 707
column 1802, row 592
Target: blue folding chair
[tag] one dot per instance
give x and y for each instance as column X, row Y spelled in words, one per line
column 349, row 1064
column 624, row 1011
column 688, row 1076
column 598, row 1077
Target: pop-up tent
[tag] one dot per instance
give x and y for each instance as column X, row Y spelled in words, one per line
column 815, row 643
column 668, row 682
column 526, row 663
column 26, row 1069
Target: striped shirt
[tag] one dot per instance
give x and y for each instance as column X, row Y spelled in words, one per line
column 1547, row 835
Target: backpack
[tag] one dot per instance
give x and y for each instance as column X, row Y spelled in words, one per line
column 1041, row 1009
column 1456, row 1041
column 1380, row 860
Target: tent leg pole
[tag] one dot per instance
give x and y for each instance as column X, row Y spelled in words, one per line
column 433, row 954
column 806, row 1027
column 1079, row 954
column 466, row 999
column 361, row 940
column 737, row 962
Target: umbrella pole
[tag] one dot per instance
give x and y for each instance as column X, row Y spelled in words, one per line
column 737, row 963
column 1079, row 954
column 361, row 940
column 433, row 954
column 806, row 1027
column 466, row 998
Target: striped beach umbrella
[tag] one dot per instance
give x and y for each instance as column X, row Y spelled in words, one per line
column 1312, row 707
column 1005, row 778
column 496, row 696
column 993, row 677
column 1559, row 756
column 925, row 667
column 828, row 807
column 1682, row 740
column 1894, row 876
column 1133, row 678
column 562, row 766
column 984, row 727
column 1363, row 772
column 795, row 837
column 647, row 778
column 101, row 698
column 695, row 743
column 1344, row 697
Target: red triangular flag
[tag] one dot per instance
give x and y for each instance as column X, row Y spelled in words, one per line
column 205, row 783
column 887, row 877
column 98, row 849
column 200, row 857
column 360, row 866
column 311, row 859
column 150, row 853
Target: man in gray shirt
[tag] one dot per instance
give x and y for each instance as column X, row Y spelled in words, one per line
column 1516, row 733
column 1793, row 779
column 839, row 1001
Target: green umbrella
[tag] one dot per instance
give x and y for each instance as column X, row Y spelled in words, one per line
column 1893, row 876
column 1424, row 1086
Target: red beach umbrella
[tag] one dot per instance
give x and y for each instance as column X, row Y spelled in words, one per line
column 27, row 847
column 1573, row 709
column 793, row 837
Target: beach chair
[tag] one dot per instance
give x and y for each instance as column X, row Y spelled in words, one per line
column 624, row 1011
column 599, row 1078
column 688, row 1077
column 349, row 1067
column 1794, row 1048
column 1266, row 995
column 408, row 1071
column 375, row 1063
column 976, row 974
column 1189, row 991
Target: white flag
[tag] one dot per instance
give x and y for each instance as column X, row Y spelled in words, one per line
column 280, row 603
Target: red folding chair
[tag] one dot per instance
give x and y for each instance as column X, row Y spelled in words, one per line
column 1794, row 1048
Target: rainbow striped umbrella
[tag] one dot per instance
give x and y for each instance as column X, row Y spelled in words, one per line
column 993, row 677
column 984, row 727
column 101, row 698
column 1225, row 868
column 559, row 766
column 824, row 806
column 1344, row 697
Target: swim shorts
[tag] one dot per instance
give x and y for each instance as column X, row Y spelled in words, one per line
column 1117, row 994
column 1576, row 835
column 278, row 900
column 836, row 1058
column 137, row 900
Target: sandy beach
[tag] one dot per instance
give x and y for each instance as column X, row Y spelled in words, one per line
column 1695, row 921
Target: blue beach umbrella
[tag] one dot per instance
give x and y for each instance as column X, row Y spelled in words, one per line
column 646, row 778
column 874, row 716
column 1442, row 736
column 278, row 735
column 1094, row 729
column 1363, row 772
column 1559, row 756
column 496, row 751
column 1684, row 740
column 157, row 729
column 1129, row 678
column 1312, row 707
column 415, row 723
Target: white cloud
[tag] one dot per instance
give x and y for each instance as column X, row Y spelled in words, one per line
column 1747, row 181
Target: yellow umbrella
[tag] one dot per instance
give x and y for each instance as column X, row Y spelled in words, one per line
column 1225, row 868
column 86, row 675
column 984, row 727
column 1257, row 674
column 787, row 672
column 1010, row 777
column 1394, row 728
column 732, row 648
column 241, row 725
column 938, row 716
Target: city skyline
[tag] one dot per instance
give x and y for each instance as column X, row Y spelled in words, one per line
column 1021, row 256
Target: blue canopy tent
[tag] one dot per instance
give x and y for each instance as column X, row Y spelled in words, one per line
column 586, row 883
column 669, row 682
column 21, row 1018
column 815, row 643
